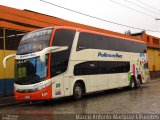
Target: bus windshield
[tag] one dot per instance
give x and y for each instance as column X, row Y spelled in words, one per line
column 30, row 71
column 34, row 41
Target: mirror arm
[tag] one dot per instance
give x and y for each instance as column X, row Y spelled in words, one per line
column 51, row 50
column 6, row 58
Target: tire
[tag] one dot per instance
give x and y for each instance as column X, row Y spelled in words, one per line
column 138, row 83
column 132, row 83
column 77, row 91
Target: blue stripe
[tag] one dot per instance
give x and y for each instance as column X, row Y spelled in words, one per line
column 6, row 87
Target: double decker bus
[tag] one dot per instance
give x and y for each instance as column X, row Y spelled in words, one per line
column 64, row 61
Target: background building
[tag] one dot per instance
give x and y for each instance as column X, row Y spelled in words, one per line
column 153, row 49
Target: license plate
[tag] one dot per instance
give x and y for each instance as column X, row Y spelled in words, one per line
column 27, row 97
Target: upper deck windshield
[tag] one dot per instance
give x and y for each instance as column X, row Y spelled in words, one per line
column 35, row 41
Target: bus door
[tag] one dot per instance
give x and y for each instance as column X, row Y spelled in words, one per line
column 67, row 85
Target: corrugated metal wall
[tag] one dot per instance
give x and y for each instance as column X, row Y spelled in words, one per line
column 154, row 62
column 9, row 42
column 6, row 75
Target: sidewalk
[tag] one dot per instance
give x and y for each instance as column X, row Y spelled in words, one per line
column 8, row 101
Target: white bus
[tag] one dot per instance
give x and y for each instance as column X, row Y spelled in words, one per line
column 63, row 61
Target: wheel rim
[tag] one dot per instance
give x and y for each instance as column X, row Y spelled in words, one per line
column 138, row 83
column 132, row 85
column 78, row 91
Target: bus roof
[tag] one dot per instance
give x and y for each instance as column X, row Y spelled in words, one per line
column 121, row 36
column 117, row 35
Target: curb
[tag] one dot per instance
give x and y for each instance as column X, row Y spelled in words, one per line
column 11, row 104
column 9, row 101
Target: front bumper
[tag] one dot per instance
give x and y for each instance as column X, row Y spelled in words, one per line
column 44, row 94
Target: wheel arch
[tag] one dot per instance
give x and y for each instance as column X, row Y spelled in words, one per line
column 133, row 76
column 80, row 81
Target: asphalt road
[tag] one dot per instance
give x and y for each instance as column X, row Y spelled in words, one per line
column 145, row 100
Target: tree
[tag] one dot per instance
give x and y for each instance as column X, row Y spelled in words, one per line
column 128, row 32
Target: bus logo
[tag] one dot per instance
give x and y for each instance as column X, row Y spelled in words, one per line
column 100, row 54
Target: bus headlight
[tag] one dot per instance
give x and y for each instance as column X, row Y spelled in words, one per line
column 41, row 87
column 44, row 86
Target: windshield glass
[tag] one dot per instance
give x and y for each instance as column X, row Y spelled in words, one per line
column 35, row 41
column 30, row 71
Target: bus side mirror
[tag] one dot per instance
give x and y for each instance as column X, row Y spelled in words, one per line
column 51, row 50
column 6, row 58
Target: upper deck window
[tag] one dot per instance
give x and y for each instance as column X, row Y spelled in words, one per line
column 60, row 59
column 94, row 41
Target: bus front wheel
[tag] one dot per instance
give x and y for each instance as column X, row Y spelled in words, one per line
column 77, row 91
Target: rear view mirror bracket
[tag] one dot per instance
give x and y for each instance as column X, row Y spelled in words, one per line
column 6, row 58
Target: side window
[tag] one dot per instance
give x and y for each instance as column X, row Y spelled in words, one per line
column 114, row 68
column 86, row 68
column 59, row 63
column 63, row 37
column 93, row 68
column 94, row 41
column 101, row 67
column 59, row 60
column 126, row 67
column 86, row 41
